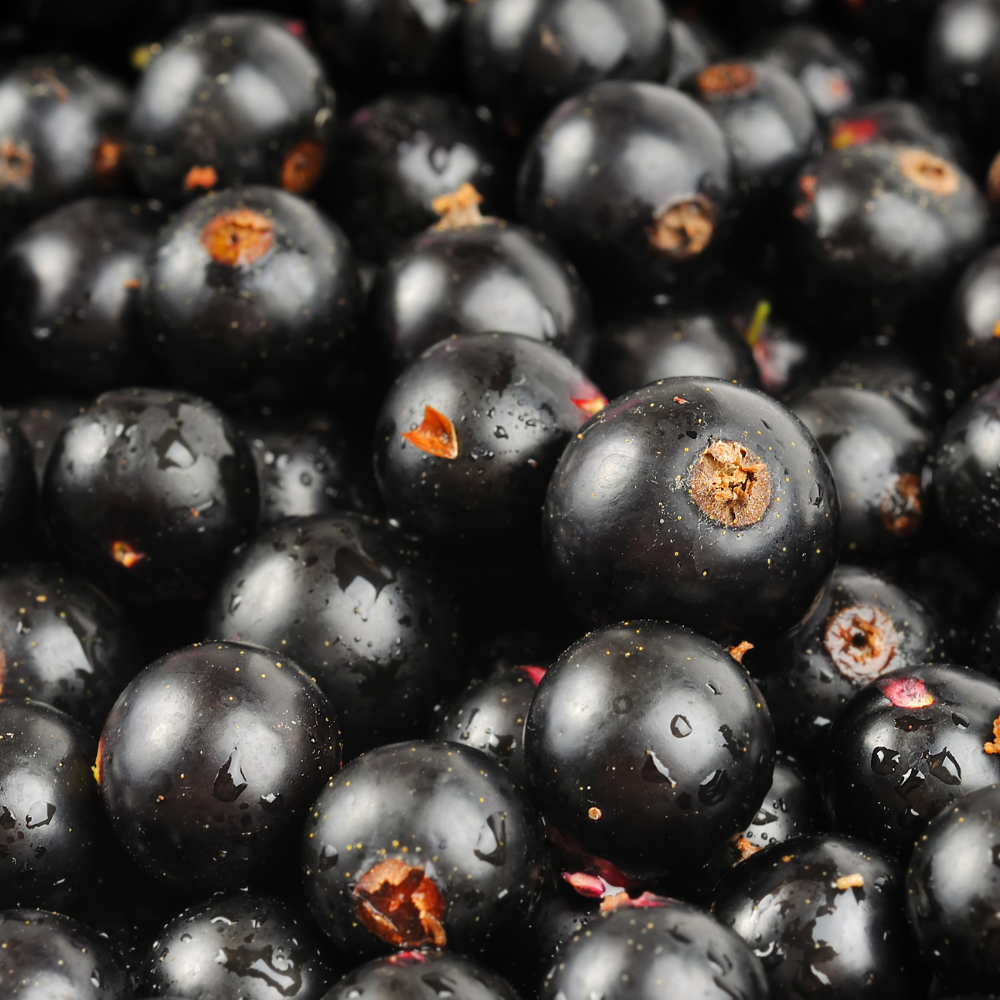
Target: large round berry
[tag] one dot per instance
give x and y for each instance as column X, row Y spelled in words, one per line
column 209, row 760
column 694, row 501
column 250, row 292
column 649, row 745
column 360, row 608
column 150, row 489
column 418, row 844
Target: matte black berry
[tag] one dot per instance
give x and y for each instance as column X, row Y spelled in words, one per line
column 824, row 914
column 697, row 340
column 648, row 202
column 251, row 293
column 422, row 975
column 150, row 489
column 258, row 946
column 70, row 287
column 953, row 891
column 469, row 434
column 694, row 501
column 61, row 123
column 421, row 844
column 878, row 450
column 51, row 824
column 522, row 60
column 45, row 955
column 395, row 156
column 230, row 99
column 209, row 760
column 359, row 607
column 649, row 745
column 470, row 274
column 865, row 626
column 63, row 642
column 908, row 745
column 966, row 488
column 635, row 950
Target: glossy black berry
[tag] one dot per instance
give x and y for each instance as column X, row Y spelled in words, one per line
column 633, row 181
column 150, row 489
column 824, row 914
column 61, row 125
column 694, row 501
column 877, row 236
column 490, row 715
column 908, row 745
column 42, row 419
column 419, row 844
column 63, row 642
column 45, row 955
column 70, row 291
column 966, row 489
column 18, row 489
column 636, row 949
column 970, row 343
column 51, row 824
column 524, row 59
column 311, row 464
column 212, row 796
column 877, row 450
column 395, row 156
column 251, row 293
column 674, row 340
column 359, row 607
column 256, row 945
column 953, row 891
column 228, row 100
column 470, row 274
column 469, row 434
column 649, row 745
column 864, row 626
column 422, row 975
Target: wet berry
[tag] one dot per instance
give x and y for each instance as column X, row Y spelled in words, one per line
column 213, row 795
column 721, row 498
column 421, row 844
column 252, row 294
column 149, row 489
column 908, row 745
column 470, row 274
column 228, row 100
column 359, row 607
column 649, row 745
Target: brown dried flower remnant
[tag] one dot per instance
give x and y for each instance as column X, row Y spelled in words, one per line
column 928, row 171
column 902, row 505
column 745, row 848
column 594, row 813
column 201, row 178
column 458, row 209
column 994, row 747
column 682, row 229
column 238, row 237
column 726, row 80
column 401, row 905
column 862, row 641
column 731, row 484
column 853, row 881
column 302, row 166
column 738, row 652
column 435, row 435
column 16, row 165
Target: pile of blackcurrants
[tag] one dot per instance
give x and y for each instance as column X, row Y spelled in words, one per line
column 500, row 500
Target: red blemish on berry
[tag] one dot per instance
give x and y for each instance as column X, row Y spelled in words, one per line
column 296, row 28
column 906, row 692
column 677, row 399
column 535, row 673
column 591, row 886
column 436, row 435
column 402, row 957
column 125, row 555
column 590, row 404
column 622, row 901
column 582, row 861
column 852, row 132
column 807, row 185
column 399, row 904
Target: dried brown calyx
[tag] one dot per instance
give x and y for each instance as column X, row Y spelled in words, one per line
column 745, row 848
column 201, row 178
column 401, row 905
column 731, row 484
column 994, row 747
column 683, row 229
column 738, row 652
column 862, row 641
column 730, row 79
column 902, row 505
column 993, row 179
column 238, row 237
column 928, row 171
column 302, row 166
column 459, row 209
column 435, row 435
column 125, row 555
column 853, row 881
column 108, row 156
column 16, row 166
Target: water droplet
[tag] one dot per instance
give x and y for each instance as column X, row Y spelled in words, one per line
column 499, row 432
column 230, row 782
column 884, row 760
column 272, row 802
column 491, row 845
column 944, row 767
column 549, row 326
column 7, row 821
column 40, row 814
column 305, row 479
column 97, row 979
column 714, row 787
column 185, row 938
column 680, row 726
column 234, row 602
column 275, row 968
column 655, row 770
column 173, row 451
column 441, row 986
column 328, row 857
